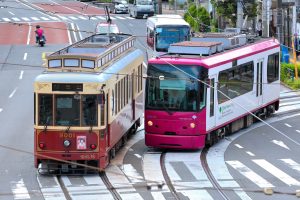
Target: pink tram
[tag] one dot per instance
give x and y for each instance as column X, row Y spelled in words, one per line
column 188, row 90
column 88, row 100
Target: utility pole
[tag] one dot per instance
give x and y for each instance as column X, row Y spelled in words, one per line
column 240, row 14
column 266, row 4
column 279, row 21
column 159, row 2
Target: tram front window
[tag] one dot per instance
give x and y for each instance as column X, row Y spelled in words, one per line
column 178, row 91
column 69, row 110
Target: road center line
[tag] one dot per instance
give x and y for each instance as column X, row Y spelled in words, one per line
column 297, row 131
column 12, row 94
column 21, row 74
column 1, row 109
column 29, row 34
column 287, row 125
column 25, row 56
column 238, row 146
column 250, row 153
column 11, row 13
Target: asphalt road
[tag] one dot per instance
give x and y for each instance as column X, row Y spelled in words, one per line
column 242, row 164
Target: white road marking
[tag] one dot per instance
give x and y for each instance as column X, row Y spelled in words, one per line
column 120, row 17
column 243, row 195
column 129, row 17
column 112, row 18
column 72, row 17
column 81, row 17
column 62, row 17
column 50, row 192
column 29, row 33
column 197, row 194
column 292, row 164
column 132, row 174
column 238, row 146
column 297, row 131
column 250, row 153
column 276, row 172
column 158, row 196
column 25, row 19
column 101, row 17
column 287, row 125
column 152, row 173
column 6, row 19
column 93, row 18
column 21, row 74
column 16, row 19
column 93, row 180
column 138, row 155
column 280, row 143
column 248, row 173
column 55, row 18
column 45, row 18
column 35, row 18
column 25, row 56
column 74, row 32
column 1, row 109
column 20, row 190
column 11, row 13
column 80, row 35
column 12, row 94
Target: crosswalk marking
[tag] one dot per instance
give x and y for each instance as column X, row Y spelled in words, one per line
column 34, row 18
column 248, row 173
column 129, row 17
column 292, row 164
column 120, row 17
column 6, row 19
column 197, row 194
column 45, row 18
column 16, row 19
column 112, row 17
column 54, row 18
column 93, row 18
column 103, row 18
column 72, row 17
column 276, row 172
column 62, row 17
column 20, row 190
column 132, row 174
column 81, row 17
column 25, row 19
column 50, row 187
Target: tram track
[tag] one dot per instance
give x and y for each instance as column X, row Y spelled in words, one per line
column 166, row 176
column 64, row 188
column 109, row 186
column 210, row 175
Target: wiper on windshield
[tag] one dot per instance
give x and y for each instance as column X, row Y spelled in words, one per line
column 46, row 124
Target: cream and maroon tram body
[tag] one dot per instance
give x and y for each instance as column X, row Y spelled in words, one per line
column 188, row 90
column 86, row 103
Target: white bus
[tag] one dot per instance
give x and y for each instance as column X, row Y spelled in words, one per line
column 163, row 30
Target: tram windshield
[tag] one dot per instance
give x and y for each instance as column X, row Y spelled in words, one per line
column 68, row 110
column 174, row 90
column 169, row 35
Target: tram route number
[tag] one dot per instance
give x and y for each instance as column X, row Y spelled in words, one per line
column 88, row 156
column 67, row 135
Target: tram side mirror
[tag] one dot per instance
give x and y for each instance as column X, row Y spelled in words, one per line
column 101, row 98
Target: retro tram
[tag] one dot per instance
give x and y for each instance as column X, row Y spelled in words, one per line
column 205, row 88
column 88, row 100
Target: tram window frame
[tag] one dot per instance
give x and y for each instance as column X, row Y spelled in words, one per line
column 50, row 110
column 54, row 61
column 273, row 67
column 71, row 60
column 83, row 61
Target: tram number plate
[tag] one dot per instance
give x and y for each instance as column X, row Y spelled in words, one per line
column 64, row 168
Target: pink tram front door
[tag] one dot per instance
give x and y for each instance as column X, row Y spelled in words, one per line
column 212, row 101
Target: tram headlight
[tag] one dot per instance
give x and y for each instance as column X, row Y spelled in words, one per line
column 150, row 123
column 67, row 143
column 192, row 125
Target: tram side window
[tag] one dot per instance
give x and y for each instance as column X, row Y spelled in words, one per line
column 45, row 111
column 235, row 81
column 273, row 68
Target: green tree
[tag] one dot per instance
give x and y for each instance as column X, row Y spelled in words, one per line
column 228, row 9
column 198, row 18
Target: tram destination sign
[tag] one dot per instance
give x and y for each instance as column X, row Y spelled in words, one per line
column 67, row 87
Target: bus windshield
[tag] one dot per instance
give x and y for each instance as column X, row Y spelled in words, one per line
column 176, row 91
column 169, row 35
column 69, row 110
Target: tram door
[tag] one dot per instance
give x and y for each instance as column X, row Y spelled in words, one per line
column 212, row 103
column 133, row 94
column 259, row 81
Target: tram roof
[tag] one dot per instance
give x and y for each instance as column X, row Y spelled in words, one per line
column 219, row 58
column 162, row 20
column 88, row 77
